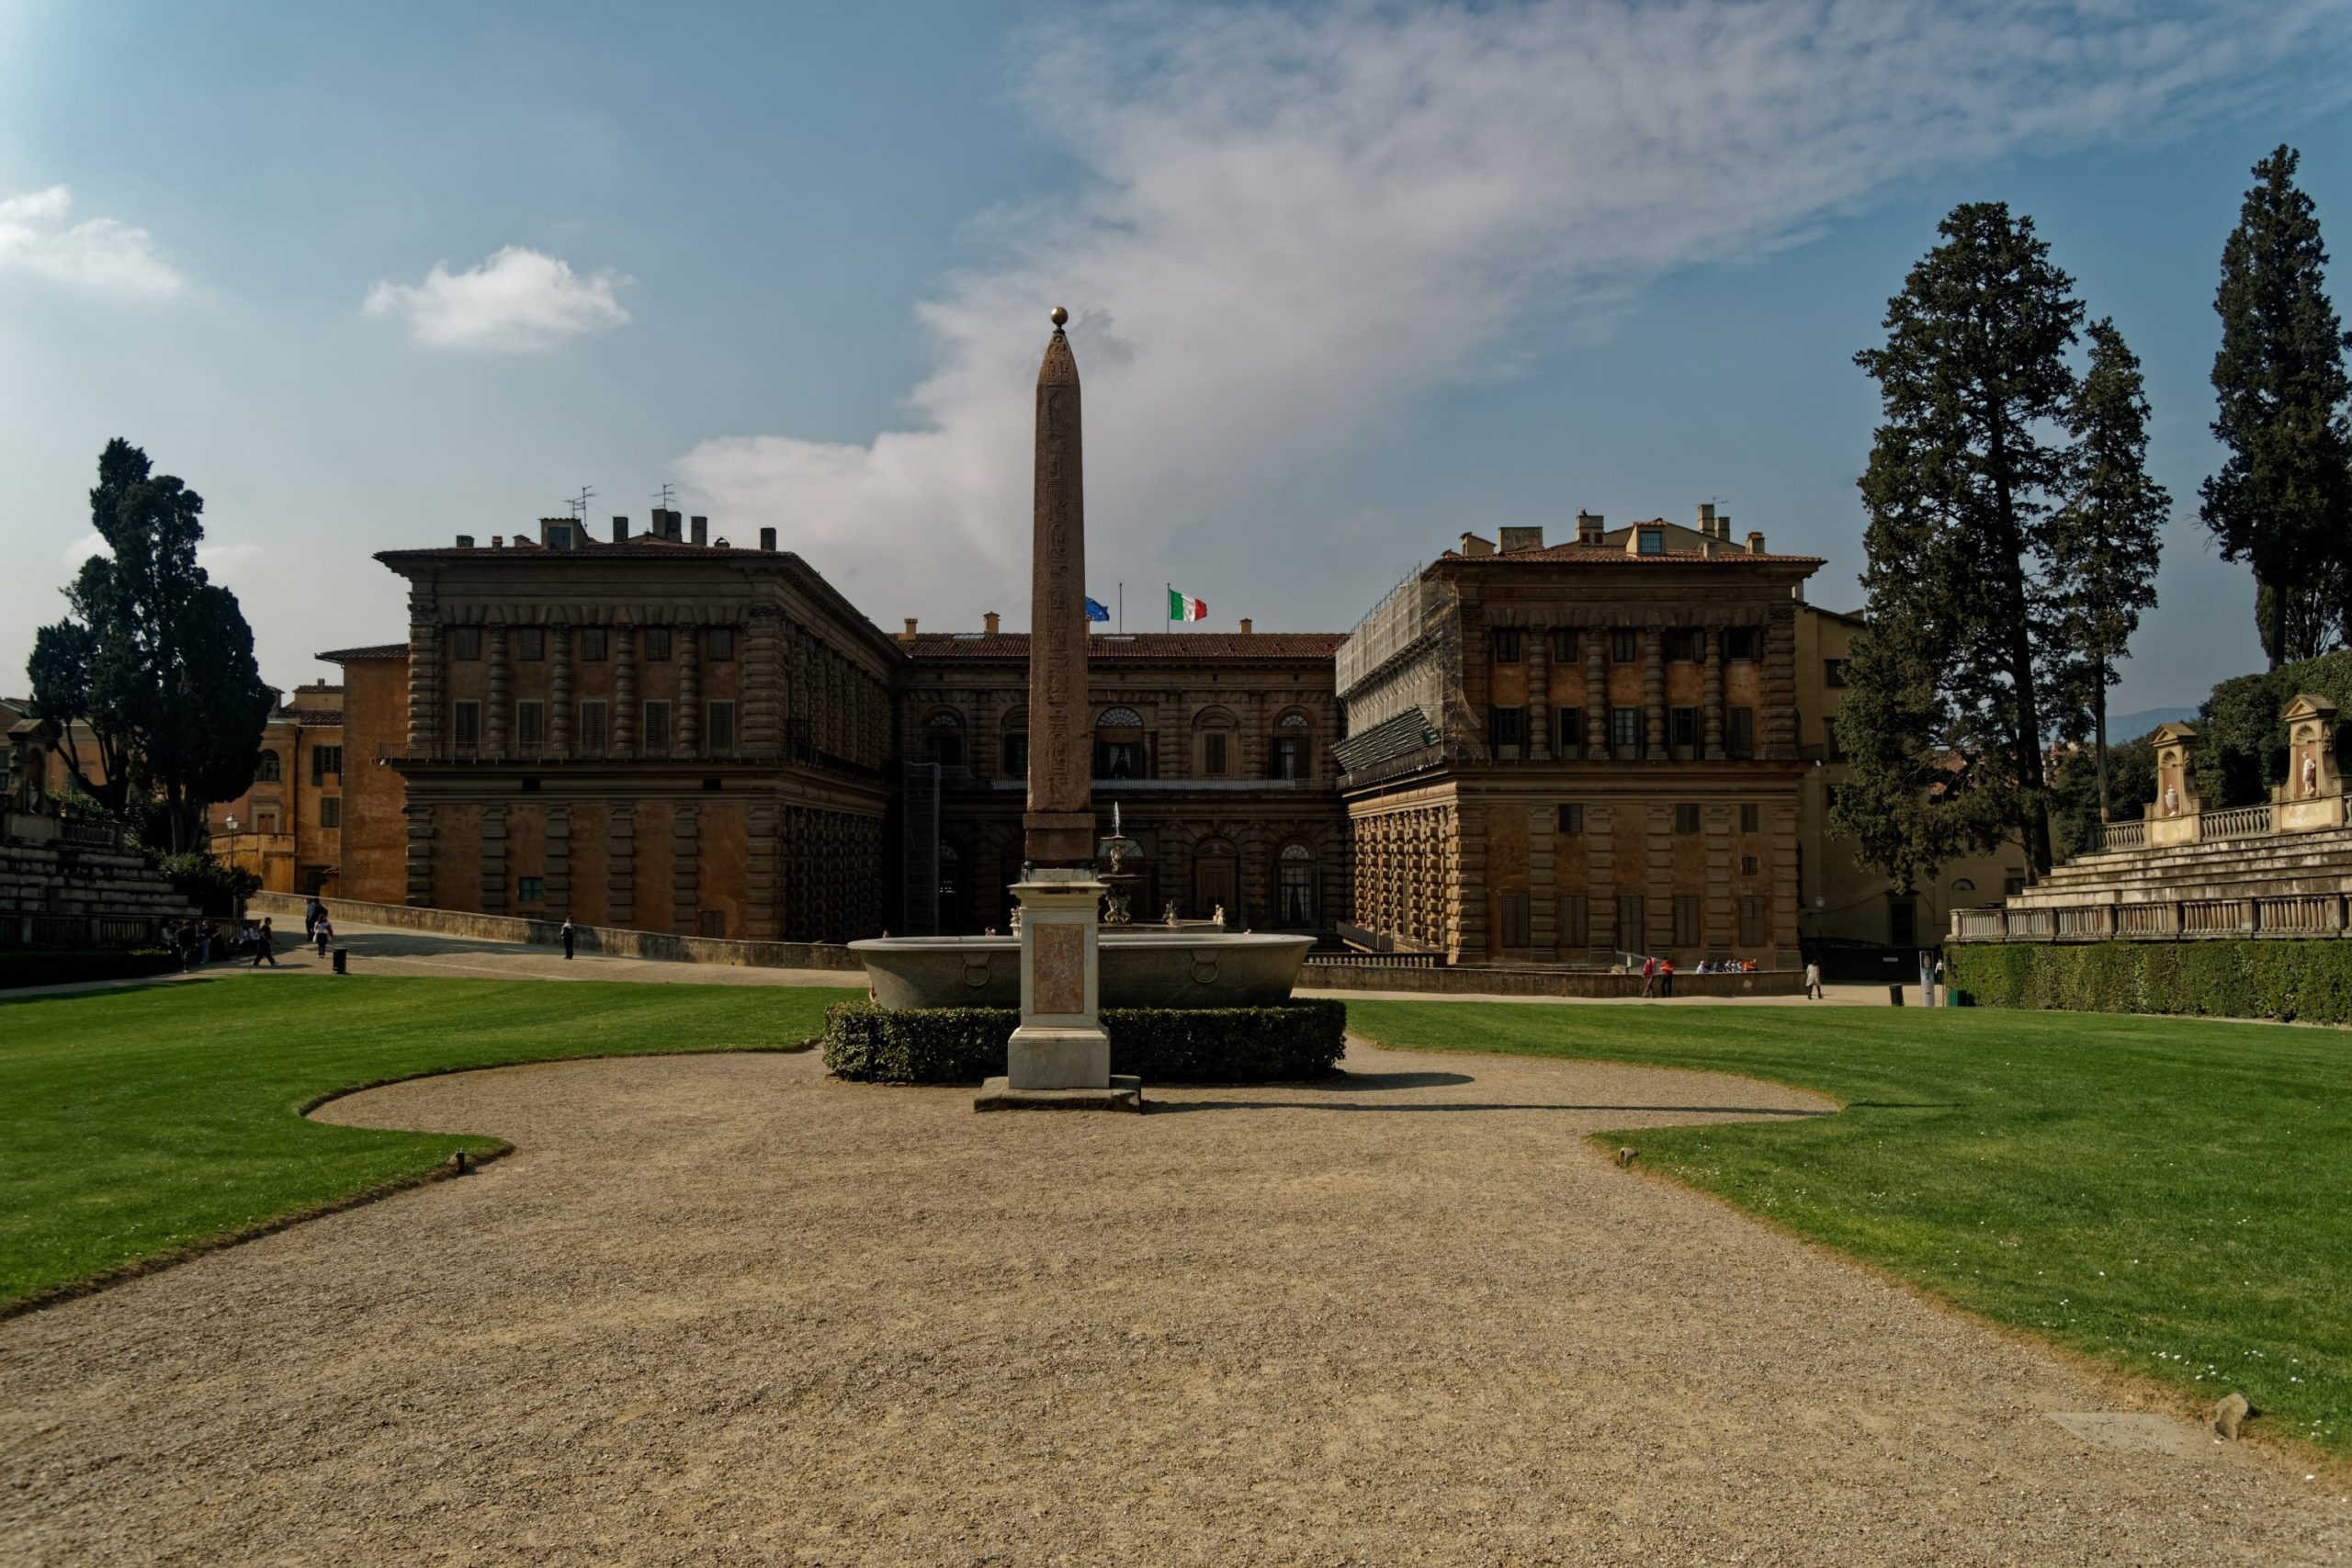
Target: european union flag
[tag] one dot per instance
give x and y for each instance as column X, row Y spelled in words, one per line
column 1095, row 612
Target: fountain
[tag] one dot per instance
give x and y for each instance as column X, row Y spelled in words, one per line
column 1068, row 956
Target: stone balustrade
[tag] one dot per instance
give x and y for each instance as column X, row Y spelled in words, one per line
column 2285, row 915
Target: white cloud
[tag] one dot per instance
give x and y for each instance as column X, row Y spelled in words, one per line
column 1293, row 221
column 518, row 302
column 90, row 544
column 97, row 253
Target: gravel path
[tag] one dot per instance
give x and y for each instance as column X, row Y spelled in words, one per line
column 719, row 1308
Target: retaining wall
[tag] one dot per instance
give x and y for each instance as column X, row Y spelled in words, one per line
column 286, row 909
column 1508, row 981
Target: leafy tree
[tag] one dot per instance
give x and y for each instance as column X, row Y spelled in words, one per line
column 2080, row 792
column 2105, row 541
column 2283, row 499
column 1950, row 680
column 154, row 660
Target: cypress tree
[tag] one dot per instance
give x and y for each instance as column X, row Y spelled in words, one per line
column 1948, row 685
column 2105, row 543
column 2282, row 502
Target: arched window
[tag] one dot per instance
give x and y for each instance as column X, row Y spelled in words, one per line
column 1213, row 747
column 1293, row 747
column 943, row 740
column 1118, row 744
column 1015, row 746
column 1962, row 884
column 1295, row 886
column 270, row 770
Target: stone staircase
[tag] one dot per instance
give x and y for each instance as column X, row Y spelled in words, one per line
column 2272, row 865
column 69, row 884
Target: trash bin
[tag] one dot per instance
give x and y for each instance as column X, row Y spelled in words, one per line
column 340, row 954
column 1895, row 996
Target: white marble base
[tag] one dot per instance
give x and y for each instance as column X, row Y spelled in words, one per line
column 1060, row 1044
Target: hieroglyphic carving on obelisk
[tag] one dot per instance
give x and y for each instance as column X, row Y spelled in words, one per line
column 1058, row 826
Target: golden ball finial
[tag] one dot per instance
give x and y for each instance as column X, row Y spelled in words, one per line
column 1060, row 316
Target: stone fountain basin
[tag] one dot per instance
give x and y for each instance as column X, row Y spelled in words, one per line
column 1140, row 968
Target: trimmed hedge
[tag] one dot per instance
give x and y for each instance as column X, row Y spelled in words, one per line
column 2285, row 978
column 65, row 966
column 951, row 1046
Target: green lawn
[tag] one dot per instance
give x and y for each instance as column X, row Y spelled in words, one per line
column 2173, row 1196
column 141, row 1121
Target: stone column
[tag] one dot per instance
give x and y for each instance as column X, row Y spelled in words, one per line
column 689, row 737
column 620, row 868
column 1654, row 692
column 1539, row 693
column 624, row 694
column 1596, row 695
column 559, row 691
column 1712, row 708
column 423, row 672
column 497, row 729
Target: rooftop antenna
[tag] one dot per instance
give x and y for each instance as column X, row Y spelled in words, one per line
column 669, row 492
column 579, row 503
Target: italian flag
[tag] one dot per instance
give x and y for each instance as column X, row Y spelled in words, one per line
column 1182, row 609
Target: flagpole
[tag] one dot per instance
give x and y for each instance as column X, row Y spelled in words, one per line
column 1123, row 609
column 1167, row 603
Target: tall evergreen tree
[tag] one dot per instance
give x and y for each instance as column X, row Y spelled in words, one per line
column 2106, row 542
column 2283, row 500
column 155, row 660
column 1949, row 684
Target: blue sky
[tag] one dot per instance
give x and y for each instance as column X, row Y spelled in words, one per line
column 1347, row 280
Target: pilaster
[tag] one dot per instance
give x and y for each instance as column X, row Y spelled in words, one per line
column 424, row 670
column 1539, row 692
column 558, row 863
column 685, row 870
column 494, row 859
column 1657, row 878
column 1721, row 930
column 620, row 868
column 1712, row 707
column 420, row 854
column 762, row 726
column 689, row 734
column 499, row 725
column 1653, row 695
column 1466, row 888
column 559, row 691
column 760, row 876
column 624, row 696
column 1600, row 882
column 1542, row 913
column 1596, row 695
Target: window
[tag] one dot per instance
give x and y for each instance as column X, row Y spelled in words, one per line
column 1507, row 731
column 657, row 644
column 711, row 922
column 1682, row 645
column 326, row 763
column 530, row 889
column 719, row 728
column 1516, row 930
column 1572, row 817
column 1213, row 763
column 531, row 644
column 1901, row 922
column 465, row 642
column 465, row 724
column 1652, row 542
column 1016, row 754
column 330, row 811
column 592, row 727
column 530, row 724
column 657, row 735
column 1755, row 921
column 1290, row 757
column 1832, row 671
column 1689, row 930
column 1625, row 731
column 1572, row 932
column 269, row 771
column 591, row 644
column 718, row 646
column 1624, row 646
column 268, row 824
column 1564, row 644
column 1962, row 884
column 1741, row 643
column 1571, row 730
column 1751, row 817
column 1829, row 741
column 1741, row 742
column 1295, row 892
column 560, row 537
column 1505, row 645
column 1682, row 728
column 1747, row 865
column 1631, row 935
column 1118, row 744
column 943, row 740
column 1685, row 817
column 2012, row 885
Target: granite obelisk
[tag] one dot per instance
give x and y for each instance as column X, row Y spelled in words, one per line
column 1059, row 1056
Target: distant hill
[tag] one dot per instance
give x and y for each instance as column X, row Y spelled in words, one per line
column 2123, row 726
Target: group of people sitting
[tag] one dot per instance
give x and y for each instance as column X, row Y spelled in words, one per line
column 200, row 942
column 1657, row 973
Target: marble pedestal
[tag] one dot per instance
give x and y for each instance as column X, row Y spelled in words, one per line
column 1059, row 1057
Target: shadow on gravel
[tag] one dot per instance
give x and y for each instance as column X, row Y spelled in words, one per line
column 1163, row 1107
column 1348, row 1080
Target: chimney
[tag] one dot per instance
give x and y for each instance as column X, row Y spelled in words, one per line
column 1245, row 626
column 767, row 538
column 620, row 530
column 1706, row 519
column 988, row 620
column 1755, row 543
column 702, row 530
column 465, row 541
column 1473, row 545
column 1723, row 526
column 908, row 635
column 1589, row 528
column 496, row 540
column 1523, row 539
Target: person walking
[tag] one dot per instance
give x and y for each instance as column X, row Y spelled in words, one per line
column 264, row 945
column 1813, row 979
column 568, row 937
column 1649, row 978
column 1666, row 978
column 324, row 932
column 204, row 943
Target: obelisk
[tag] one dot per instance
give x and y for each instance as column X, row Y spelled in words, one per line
column 1060, row 1056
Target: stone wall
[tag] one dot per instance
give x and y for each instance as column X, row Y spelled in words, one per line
column 287, row 910
column 1482, row 980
